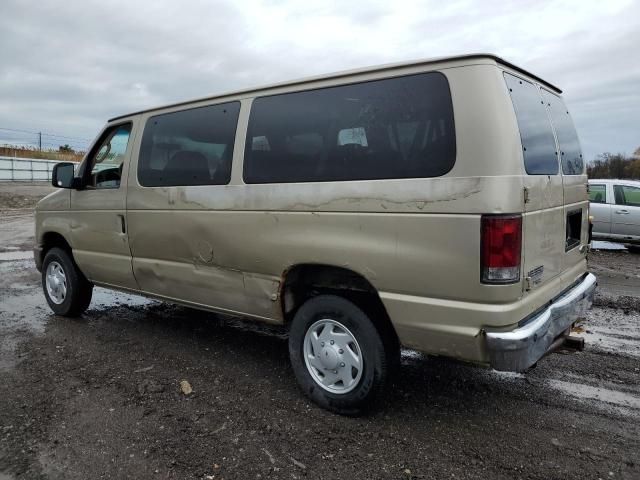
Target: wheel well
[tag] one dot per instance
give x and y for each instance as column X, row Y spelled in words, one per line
column 54, row 239
column 305, row 281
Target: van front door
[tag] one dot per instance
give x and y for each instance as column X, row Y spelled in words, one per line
column 99, row 225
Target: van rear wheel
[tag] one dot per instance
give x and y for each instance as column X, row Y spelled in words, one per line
column 66, row 289
column 338, row 355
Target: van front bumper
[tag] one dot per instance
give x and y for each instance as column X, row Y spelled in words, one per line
column 516, row 350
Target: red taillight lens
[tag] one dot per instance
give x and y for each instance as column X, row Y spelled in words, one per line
column 501, row 243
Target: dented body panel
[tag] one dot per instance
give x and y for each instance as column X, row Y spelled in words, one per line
column 229, row 247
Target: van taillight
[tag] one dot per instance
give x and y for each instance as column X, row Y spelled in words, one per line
column 501, row 242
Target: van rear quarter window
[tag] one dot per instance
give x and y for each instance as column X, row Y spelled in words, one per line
column 393, row 128
column 189, row 147
column 536, row 134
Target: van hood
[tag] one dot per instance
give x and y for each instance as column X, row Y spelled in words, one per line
column 58, row 200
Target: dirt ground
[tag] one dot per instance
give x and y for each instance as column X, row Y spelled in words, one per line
column 22, row 195
column 100, row 397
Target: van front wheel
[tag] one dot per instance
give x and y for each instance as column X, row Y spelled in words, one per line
column 66, row 289
column 338, row 356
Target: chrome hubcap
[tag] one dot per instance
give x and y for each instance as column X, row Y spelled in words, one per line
column 56, row 283
column 333, row 356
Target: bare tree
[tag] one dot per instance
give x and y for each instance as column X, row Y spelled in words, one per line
column 617, row 165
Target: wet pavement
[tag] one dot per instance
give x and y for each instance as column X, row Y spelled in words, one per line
column 99, row 396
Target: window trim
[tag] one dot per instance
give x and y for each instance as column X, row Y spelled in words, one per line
column 559, row 150
column 538, row 89
column 248, row 138
column 86, row 171
column 179, row 110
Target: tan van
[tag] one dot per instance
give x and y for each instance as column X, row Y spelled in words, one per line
column 439, row 205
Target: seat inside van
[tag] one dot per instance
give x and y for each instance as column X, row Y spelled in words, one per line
column 187, row 167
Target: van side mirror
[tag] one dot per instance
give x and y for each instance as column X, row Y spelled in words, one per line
column 62, row 175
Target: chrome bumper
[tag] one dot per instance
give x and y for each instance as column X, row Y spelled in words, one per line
column 518, row 349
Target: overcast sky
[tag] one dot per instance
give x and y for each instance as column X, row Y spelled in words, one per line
column 66, row 67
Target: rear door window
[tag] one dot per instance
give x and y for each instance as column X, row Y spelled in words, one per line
column 536, row 134
column 570, row 152
column 597, row 193
column 393, row 128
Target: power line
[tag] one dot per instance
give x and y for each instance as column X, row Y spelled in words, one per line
column 42, row 140
column 45, row 134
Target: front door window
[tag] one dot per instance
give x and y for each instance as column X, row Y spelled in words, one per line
column 108, row 159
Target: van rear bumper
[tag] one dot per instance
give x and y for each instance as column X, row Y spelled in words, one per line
column 516, row 350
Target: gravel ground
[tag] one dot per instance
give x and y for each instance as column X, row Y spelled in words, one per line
column 100, row 397
column 618, row 272
column 22, row 195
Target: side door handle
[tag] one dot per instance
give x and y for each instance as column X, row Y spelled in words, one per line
column 123, row 226
column 622, row 212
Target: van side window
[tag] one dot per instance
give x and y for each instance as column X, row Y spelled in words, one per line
column 189, row 147
column 394, row 128
column 538, row 142
column 626, row 195
column 597, row 193
column 570, row 153
column 108, row 159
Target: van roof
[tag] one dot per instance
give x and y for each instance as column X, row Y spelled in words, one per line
column 345, row 73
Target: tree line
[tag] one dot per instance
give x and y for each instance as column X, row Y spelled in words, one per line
column 619, row 165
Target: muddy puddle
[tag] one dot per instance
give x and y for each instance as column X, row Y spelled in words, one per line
column 14, row 266
column 24, row 311
column 601, row 397
column 604, row 245
column 15, row 255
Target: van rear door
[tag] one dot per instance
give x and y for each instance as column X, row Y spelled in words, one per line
column 543, row 223
column 574, row 180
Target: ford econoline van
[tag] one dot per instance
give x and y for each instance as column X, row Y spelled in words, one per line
column 439, row 205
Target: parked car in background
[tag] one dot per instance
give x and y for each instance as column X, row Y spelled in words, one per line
column 615, row 208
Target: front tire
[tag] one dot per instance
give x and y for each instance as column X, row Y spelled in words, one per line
column 66, row 289
column 339, row 357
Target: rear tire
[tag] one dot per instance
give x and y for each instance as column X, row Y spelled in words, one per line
column 339, row 357
column 67, row 290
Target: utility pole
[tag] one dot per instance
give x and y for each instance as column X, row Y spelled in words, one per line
column 40, row 141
